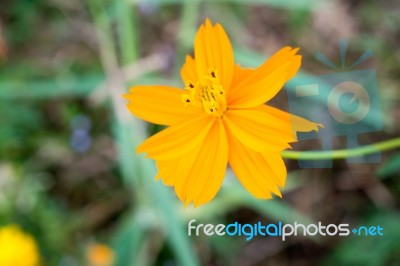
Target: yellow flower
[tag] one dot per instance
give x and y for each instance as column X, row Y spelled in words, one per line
column 100, row 255
column 17, row 248
column 220, row 118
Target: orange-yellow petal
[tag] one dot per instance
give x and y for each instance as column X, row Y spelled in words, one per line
column 177, row 172
column 189, row 71
column 197, row 176
column 239, row 74
column 213, row 51
column 166, row 170
column 259, row 130
column 260, row 173
column 178, row 139
column 298, row 124
column 159, row 104
column 262, row 84
column 285, row 54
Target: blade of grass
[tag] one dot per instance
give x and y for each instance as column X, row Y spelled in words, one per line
column 187, row 27
column 233, row 196
column 187, row 31
column 167, row 208
column 288, row 4
column 155, row 193
column 390, row 168
column 44, row 89
column 127, row 31
column 128, row 241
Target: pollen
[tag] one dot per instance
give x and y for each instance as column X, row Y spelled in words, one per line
column 207, row 93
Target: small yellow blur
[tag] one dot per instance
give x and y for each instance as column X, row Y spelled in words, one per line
column 100, row 255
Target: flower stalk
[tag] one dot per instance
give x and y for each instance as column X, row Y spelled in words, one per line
column 343, row 153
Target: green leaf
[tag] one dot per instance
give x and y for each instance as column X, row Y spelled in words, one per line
column 288, row 4
column 390, row 167
column 127, row 31
column 44, row 89
column 371, row 250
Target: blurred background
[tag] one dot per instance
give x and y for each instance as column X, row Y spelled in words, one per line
column 69, row 175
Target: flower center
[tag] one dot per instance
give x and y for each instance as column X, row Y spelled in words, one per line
column 207, row 93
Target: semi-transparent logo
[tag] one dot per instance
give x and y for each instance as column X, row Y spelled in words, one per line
column 346, row 101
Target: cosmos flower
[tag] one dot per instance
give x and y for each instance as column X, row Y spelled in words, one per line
column 17, row 248
column 100, row 255
column 220, row 118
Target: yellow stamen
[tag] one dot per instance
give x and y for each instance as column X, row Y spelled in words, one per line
column 208, row 94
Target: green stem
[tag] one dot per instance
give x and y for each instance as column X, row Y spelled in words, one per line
column 127, row 31
column 345, row 153
column 187, row 29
